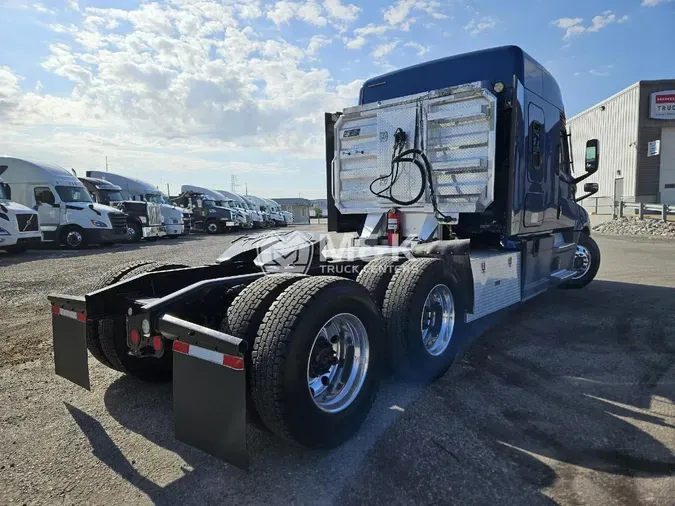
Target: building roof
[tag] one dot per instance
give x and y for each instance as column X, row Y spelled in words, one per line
column 294, row 202
column 619, row 93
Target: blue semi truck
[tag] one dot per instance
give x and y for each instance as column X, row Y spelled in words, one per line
column 456, row 181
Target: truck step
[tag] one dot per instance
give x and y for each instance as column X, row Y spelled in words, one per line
column 562, row 275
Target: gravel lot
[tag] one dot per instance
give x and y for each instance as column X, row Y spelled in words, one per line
column 568, row 399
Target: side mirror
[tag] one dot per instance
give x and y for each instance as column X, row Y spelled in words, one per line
column 589, row 189
column 592, row 156
column 591, row 161
column 7, row 190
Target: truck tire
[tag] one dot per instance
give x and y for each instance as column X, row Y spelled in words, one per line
column 213, row 227
column 245, row 315
column 423, row 315
column 113, row 339
column 294, row 362
column 376, row 275
column 135, row 232
column 73, row 237
column 112, row 277
column 587, row 259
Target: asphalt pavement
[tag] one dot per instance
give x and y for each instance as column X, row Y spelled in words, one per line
column 568, row 399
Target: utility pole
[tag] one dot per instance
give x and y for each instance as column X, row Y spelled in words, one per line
column 246, row 186
column 168, row 190
column 234, row 182
column 106, row 164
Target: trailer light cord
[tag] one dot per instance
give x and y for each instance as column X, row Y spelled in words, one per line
column 424, row 166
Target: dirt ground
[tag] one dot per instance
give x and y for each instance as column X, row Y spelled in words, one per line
column 568, row 399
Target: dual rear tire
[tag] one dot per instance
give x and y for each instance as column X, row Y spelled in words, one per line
column 318, row 345
column 107, row 341
column 316, row 355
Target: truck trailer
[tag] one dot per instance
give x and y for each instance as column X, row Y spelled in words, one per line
column 461, row 198
column 19, row 225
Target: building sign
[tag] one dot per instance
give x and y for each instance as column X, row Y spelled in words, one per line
column 662, row 105
column 653, row 148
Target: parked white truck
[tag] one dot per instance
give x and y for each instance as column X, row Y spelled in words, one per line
column 19, row 225
column 243, row 206
column 288, row 216
column 173, row 218
column 268, row 207
column 66, row 211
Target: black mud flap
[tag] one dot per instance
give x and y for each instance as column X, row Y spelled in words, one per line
column 69, row 330
column 209, row 390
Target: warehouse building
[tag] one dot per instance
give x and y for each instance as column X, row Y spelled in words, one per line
column 299, row 207
column 636, row 133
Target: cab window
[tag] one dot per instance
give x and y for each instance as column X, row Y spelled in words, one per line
column 43, row 195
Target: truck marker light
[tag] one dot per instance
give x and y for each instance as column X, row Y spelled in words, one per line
column 134, row 337
column 73, row 315
column 230, row 361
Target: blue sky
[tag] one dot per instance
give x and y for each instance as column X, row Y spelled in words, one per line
column 194, row 91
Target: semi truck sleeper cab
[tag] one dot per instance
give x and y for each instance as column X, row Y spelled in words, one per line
column 470, row 166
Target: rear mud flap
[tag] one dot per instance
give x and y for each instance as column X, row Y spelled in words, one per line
column 69, row 330
column 209, row 392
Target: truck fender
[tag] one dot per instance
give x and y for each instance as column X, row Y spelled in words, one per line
column 456, row 254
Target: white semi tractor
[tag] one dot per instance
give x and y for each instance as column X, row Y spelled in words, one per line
column 288, row 216
column 67, row 213
column 173, row 220
column 19, row 225
column 243, row 205
column 275, row 215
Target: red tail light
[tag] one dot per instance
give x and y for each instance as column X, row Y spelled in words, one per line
column 134, row 337
column 157, row 343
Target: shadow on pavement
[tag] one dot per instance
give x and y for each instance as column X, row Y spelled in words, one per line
column 562, row 386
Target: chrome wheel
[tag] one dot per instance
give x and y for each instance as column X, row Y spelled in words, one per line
column 74, row 239
column 212, row 227
column 338, row 363
column 582, row 262
column 131, row 233
column 438, row 320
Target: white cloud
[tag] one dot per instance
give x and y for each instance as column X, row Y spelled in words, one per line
column 476, row 26
column 653, row 3
column 336, row 10
column 385, row 49
column 316, row 43
column 38, row 87
column 284, row 11
column 421, row 50
column 362, row 34
column 74, row 4
column 574, row 26
column 400, row 13
column 186, row 73
column 249, row 10
column 42, row 9
column 9, row 90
